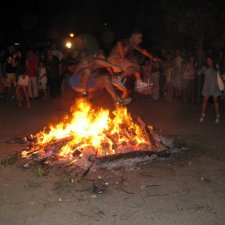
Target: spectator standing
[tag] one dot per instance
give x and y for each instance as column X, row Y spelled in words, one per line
column 59, row 54
column 22, row 84
column 10, row 76
column 42, row 79
column 52, row 68
column 210, row 88
column 32, row 72
column 20, row 62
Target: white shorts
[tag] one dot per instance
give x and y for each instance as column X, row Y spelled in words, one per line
column 23, row 80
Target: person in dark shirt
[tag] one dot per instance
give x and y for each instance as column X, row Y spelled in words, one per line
column 53, row 74
column 10, row 78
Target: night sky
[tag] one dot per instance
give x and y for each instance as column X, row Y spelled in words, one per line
column 50, row 19
column 30, row 21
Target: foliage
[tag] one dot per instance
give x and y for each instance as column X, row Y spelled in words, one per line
column 8, row 161
column 197, row 19
column 40, row 170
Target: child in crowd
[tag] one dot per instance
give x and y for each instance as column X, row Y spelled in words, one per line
column 42, row 79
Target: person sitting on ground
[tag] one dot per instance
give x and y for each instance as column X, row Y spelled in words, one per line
column 90, row 75
column 119, row 55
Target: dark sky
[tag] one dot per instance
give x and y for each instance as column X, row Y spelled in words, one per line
column 50, row 18
column 31, row 21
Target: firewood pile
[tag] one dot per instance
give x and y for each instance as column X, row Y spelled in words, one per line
column 88, row 139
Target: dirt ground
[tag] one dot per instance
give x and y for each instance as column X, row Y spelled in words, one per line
column 187, row 188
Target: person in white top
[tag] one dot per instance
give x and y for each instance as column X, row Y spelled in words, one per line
column 42, row 79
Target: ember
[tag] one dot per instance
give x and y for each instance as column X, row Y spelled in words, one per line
column 89, row 132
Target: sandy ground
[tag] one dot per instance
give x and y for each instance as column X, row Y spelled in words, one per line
column 188, row 188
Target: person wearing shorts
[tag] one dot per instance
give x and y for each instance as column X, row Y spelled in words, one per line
column 91, row 75
column 22, row 87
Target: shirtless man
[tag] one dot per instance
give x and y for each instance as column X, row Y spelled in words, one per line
column 120, row 56
column 98, row 71
column 86, row 77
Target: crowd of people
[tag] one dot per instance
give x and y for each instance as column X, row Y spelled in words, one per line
column 184, row 75
column 30, row 74
column 128, row 68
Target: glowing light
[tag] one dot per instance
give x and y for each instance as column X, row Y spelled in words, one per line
column 71, row 35
column 68, row 44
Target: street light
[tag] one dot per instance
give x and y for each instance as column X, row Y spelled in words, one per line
column 71, row 35
column 68, row 44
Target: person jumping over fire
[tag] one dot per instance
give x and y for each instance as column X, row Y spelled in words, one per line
column 91, row 73
column 119, row 55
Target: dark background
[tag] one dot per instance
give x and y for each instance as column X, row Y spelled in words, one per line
column 163, row 23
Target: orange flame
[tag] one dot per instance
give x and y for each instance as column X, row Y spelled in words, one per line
column 88, row 131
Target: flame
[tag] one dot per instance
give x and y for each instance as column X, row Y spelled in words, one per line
column 88, row 131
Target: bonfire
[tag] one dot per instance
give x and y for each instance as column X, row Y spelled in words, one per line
column 87, row 132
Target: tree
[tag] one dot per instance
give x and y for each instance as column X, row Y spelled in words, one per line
column 200, row 20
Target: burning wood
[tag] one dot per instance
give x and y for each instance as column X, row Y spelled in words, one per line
column 89, row 132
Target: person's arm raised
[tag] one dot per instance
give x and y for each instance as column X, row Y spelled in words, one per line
column 104, row 63
column 146, row 53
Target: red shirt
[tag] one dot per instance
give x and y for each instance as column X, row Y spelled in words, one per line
column 32, row 65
